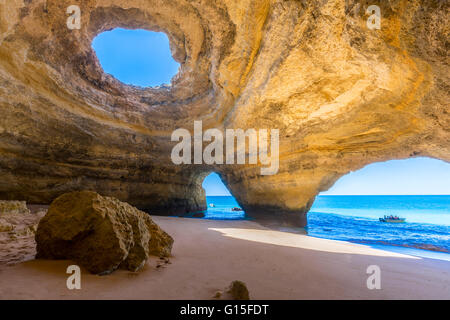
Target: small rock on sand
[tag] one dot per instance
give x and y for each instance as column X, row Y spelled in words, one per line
column 238, row 290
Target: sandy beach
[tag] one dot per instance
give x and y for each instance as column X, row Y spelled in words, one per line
column 209, row 254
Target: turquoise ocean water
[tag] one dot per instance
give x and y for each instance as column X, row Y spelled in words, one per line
column 355, row 219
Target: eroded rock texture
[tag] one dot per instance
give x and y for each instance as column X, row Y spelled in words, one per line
column 342, row 96
column 18, row 225
column 100, row 233
column 14, row 207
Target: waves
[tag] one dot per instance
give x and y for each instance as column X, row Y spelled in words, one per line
column 371, row 231
column 355, row 219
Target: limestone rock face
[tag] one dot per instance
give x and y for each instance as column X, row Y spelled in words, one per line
column 342, row 95
column 18, row 226
column 100, row 233
column 13, row 207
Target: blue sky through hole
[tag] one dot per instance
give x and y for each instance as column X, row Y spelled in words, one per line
column 136, row 57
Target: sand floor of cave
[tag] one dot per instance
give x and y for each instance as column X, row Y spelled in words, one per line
column 208, row 255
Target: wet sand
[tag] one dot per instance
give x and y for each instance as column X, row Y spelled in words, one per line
column 209, row 254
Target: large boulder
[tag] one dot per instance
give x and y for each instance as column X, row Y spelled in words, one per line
column 100, row 233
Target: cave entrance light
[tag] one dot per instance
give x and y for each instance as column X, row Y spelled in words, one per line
column 136, row 57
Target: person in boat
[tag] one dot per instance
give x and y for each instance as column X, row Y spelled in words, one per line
column 391, row 217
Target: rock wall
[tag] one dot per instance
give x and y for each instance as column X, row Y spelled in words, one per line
column 13, row 207
column 342, row 96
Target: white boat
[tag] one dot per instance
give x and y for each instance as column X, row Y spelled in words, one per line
column 392, row 219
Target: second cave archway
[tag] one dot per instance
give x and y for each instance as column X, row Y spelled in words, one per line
column 219, row 200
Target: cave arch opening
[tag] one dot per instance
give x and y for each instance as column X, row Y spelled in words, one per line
column 136, row 57
column 221, row 204
column 417, row 189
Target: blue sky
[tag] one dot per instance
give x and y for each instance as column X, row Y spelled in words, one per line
column 143, row 58
column 136, row 57
column 398, row 177
column 410, row 176
column 214, row 186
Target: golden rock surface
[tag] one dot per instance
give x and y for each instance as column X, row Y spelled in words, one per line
column 342, row 95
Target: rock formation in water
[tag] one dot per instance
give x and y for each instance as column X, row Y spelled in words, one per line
column 341, row 94
column 100, row 233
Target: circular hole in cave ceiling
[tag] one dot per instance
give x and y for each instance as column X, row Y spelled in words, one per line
column 136, row 57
